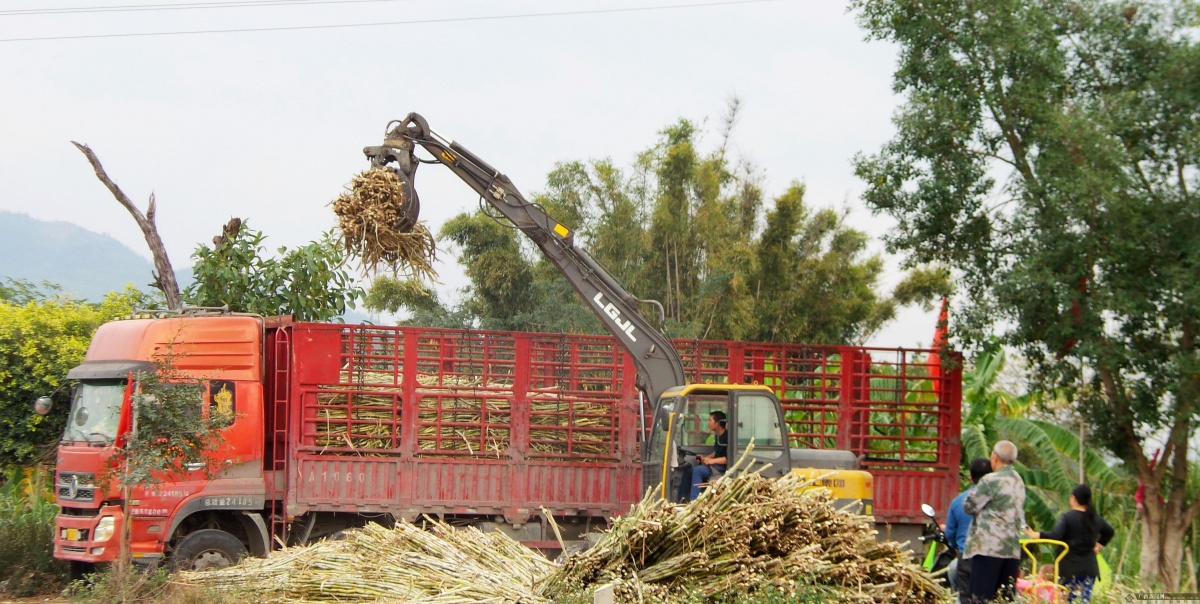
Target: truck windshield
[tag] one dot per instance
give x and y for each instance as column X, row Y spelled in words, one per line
column 95, row 411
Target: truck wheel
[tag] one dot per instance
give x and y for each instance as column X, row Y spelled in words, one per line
column 208, row 549
column 80, row 570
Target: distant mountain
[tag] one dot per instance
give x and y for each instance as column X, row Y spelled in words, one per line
column 85, row 264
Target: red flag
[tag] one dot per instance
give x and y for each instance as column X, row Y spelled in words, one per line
column 126, row 422
column 1139, row 496
column 939, row 344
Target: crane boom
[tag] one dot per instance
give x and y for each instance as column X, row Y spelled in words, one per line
column 659, row 367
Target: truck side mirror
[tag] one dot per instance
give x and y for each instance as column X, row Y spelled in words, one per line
column 42, row 405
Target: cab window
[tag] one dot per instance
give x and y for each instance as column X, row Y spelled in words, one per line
column 693, row 422
column 758, row 419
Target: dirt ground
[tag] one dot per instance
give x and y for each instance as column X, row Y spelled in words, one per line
column 53, row 598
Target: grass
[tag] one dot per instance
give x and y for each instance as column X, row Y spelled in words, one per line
column 27, row 511
column 133, row 585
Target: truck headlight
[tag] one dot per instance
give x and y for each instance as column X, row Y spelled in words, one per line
column 104, row 529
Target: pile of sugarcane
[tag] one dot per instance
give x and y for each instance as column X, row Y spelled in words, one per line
column 592, row 432
column 745, row 534
column 435, row 564
column 466, row 417
column 388, row 381
column 370, row 216
column 372, row 430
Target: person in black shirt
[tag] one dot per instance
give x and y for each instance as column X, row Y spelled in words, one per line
column 1085, row 533
column 714, row 464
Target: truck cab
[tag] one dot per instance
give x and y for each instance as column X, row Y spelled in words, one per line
column 177, row 513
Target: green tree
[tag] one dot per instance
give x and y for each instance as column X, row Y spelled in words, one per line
column 170, row 430
column 501, row 276
column 1047, row 152
column 682, row 226
column 391, row 294
column 23, row 291
column 40, row 340
column 312, row 282
column 170, row 427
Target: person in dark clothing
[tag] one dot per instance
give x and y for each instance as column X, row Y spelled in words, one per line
column 712, row 465
column 1085, row 533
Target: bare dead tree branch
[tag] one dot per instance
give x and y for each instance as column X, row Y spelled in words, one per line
column 164, row 275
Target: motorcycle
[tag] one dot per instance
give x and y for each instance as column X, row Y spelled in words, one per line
column 939, row 553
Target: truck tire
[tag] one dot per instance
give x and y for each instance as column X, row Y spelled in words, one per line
column 80, row 570
column 207, row 549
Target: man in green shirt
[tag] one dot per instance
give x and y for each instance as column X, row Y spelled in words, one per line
column 994, row 540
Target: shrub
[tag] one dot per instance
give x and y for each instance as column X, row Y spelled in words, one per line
column 27, row 511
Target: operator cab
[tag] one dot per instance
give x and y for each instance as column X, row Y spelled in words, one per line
column 680, row 432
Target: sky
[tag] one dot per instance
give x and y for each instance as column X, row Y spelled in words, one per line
column 269, row 124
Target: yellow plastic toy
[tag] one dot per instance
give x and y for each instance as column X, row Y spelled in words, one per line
column 1060, row 591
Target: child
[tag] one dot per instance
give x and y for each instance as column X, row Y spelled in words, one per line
column 1043, row 586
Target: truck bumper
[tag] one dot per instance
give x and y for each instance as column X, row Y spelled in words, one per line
column 75, row 537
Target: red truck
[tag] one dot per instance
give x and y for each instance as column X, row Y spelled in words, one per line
column 339, row 425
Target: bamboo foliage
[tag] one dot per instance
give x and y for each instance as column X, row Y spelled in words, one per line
column 684, row 225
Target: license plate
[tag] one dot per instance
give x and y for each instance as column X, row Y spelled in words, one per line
column 71, row 534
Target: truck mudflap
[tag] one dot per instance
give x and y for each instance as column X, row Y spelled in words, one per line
column 89, row 538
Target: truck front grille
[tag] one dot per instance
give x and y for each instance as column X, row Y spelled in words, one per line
column 76, row 486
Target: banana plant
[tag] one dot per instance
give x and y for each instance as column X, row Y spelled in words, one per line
column 1049, row 460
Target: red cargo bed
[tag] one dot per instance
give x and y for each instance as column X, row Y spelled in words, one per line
column 409, row 420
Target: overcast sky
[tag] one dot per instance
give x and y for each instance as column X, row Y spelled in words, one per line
column 269, row 125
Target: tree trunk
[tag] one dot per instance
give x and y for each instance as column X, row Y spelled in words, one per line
column 1170, row 564
column 1191, row 565
column 164, row 275
column 1164, row 521
column 1164, row 526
